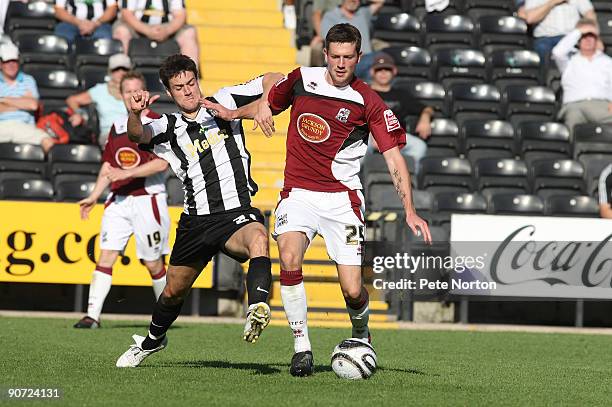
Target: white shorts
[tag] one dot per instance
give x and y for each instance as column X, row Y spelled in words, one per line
column 144, row 216
column 336, row 216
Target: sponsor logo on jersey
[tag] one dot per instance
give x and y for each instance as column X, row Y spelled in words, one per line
column 127, row 157
column 313, row 128
column 391, row 121
column 343, row 115
column 212, row 139
column 281, row 220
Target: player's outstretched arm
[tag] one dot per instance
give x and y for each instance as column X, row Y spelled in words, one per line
column 149, row 168
column 103, row 181
column 136, row 131
column 401, row 181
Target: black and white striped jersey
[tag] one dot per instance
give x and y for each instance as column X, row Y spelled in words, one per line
column 208, row 154
column 605, row 186
column 85, row 9
column 153, row 12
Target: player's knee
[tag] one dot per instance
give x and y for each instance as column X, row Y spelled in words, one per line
column 352, row 293
column 290, row 260
column 172, row 296
column 259, row 244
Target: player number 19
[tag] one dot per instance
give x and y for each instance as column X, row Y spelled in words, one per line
column 154, row 239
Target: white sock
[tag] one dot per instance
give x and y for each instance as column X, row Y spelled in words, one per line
column 158, row 286
column 359, row 319
column 294, row 302
column 98, row 290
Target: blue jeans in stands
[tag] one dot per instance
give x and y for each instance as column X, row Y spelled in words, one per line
column 71, row 32
column 416, row 148
column 544, row 45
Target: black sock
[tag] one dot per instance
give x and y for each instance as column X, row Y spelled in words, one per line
column 259, row 279
column 163, row 316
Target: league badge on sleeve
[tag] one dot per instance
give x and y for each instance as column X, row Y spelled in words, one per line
column 391, row 121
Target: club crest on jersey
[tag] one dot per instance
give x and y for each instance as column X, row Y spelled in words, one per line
column 313, row 128
column 391, row 121
column 127, row 157
column 343, row 115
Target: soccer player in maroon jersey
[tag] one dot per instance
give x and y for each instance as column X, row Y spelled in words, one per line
column 332, row 114
column 137, row 205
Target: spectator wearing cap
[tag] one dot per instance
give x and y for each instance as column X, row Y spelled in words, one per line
column 158, row 20
column 553, row 19
column 586, row 76
column 18, row 102
column 85, row 18
column 106, row 96
column 383, row 72
column 351, row 12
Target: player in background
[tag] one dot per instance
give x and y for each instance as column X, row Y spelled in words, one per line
column 136, row 206
column 331, row 116
column 209, row 155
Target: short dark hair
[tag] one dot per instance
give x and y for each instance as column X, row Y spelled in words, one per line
column 344, row 33
column 174, row 65
column 133, row 75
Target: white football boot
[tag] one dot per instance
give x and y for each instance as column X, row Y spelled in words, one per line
column 258, row 317
column 135, row 354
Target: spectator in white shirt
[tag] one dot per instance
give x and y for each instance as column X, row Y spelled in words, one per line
column 553, row 19
column 586, row 76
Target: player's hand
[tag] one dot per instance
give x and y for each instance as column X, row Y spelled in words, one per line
column 263, row 118
column 218, row 110
column 140, row 101
column 423, row 129
column 418, row 226
column 85, row 206
column 118, row 174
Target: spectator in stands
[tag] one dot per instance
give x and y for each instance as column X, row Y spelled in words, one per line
column 553, row 19
column 289, row 16
column 159, row 21
column 605, row 192
column 360, row 17
column 586, row 76
column 383, row 72
column 106, row 96
column 91, row 18
column 319, row 8
column 18, row 102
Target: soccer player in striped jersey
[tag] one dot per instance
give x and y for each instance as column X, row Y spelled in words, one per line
column 209, row 155
column 332, row 114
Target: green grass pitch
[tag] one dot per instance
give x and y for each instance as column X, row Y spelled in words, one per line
column 209, row 364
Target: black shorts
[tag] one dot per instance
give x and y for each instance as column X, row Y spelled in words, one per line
column 200, row 237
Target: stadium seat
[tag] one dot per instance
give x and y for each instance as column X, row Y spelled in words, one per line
column 74, row 159
column 444, row 139
column 26, row 190
column 428, row 93
column 95, row 51
column 19, row 175
column 447, row 203
column 593, row 166
column 494, row 176
column 90, row 75
column 542, row 139
column 26, row 158
column 174, row 189
column 552, row 80
column 605, row 27
column 592, row 138
column 514, row 67
column 53, row 84
column 412, row 63
column 37, row 15
column 397, row 29
column 473, row 101
column 499, row 33
column 516, row 204
column 375, row 174
column 444, row 31
column 487, row 138
column 441, row 174
column 476, row 9
column 46, row 49
column 552, row 176
column 145, row 52
column 524, row 103
column 73, row 191
column 574, row 206
column 458, row 66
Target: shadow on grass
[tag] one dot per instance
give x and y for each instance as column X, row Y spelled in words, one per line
column 409, row 371
column 144, row 325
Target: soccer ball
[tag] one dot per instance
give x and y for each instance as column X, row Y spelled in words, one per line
column 354, row 359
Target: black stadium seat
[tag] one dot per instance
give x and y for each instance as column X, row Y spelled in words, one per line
column 542, row 139
column 557, row 177
column 478, row 8
column 494, row 176
column 397, row 29
column 73, row 191
column 26, row 189
column 514, row 67
column 524, row 103
column 74, row 159
column 95, row 52
column 46, row 49
column 90, row 75
column 487, row 138
column 458, row 66
column 473, row 101
column 444, row 138
column 428, row 93
column 413, row 63
column 440, row 174
column 516, row 204
column 593, row 166
column 145, row 52
column 29, row 15
column 574, row 206
column 502, row 32
column 444, row 31
column 447, row 203
column 26, row 158
column 19, row 175
column 53, row 83
column 592, row 138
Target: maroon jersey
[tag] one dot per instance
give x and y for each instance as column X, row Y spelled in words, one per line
column 329, row 128
column 122, row 153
